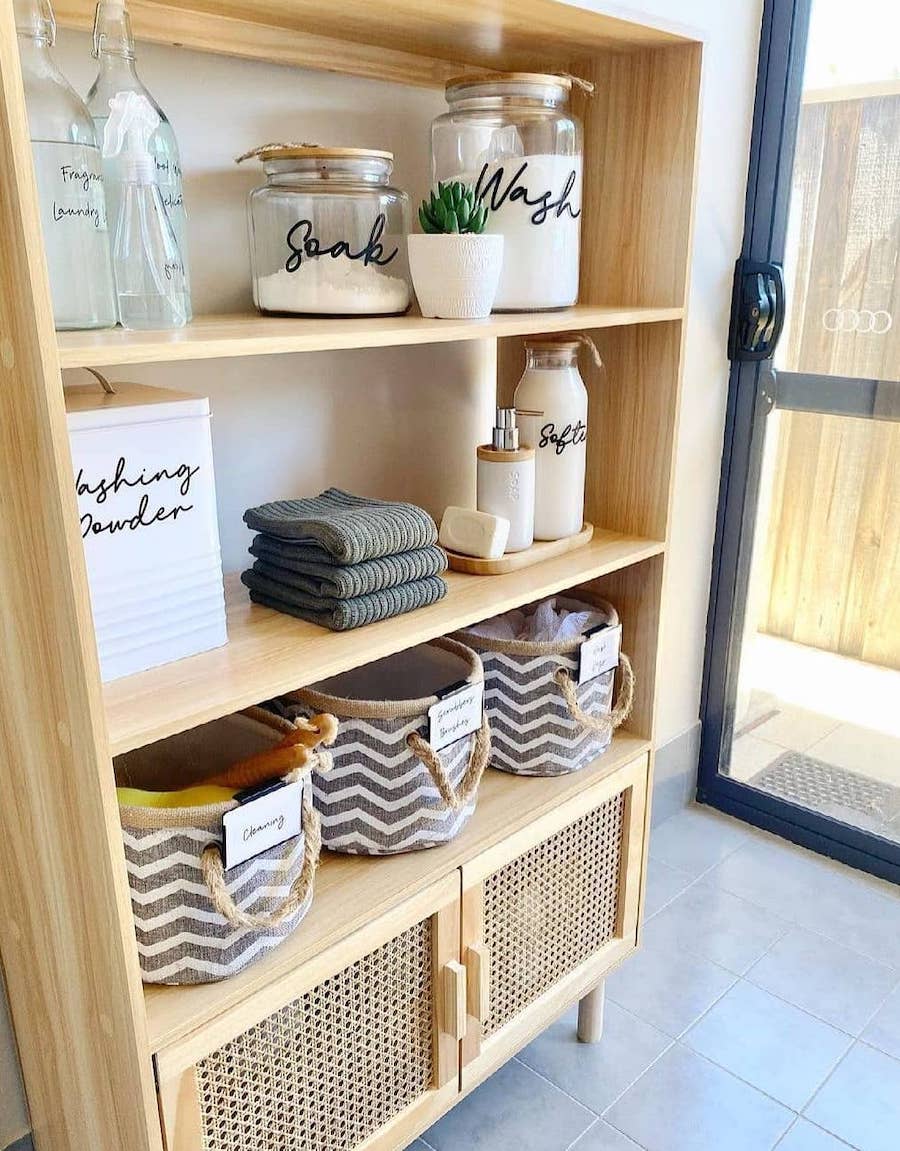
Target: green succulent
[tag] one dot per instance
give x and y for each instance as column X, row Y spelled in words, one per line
column 453, row 208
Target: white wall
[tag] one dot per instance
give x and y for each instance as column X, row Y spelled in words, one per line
column 289, row 425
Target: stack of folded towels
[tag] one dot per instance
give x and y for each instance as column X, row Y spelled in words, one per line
column 342, row 561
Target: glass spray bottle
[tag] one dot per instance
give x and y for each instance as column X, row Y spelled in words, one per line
column 115, row 54
column 146, row 258
column 69, row 176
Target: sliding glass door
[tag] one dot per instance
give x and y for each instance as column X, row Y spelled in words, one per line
column 802, row 683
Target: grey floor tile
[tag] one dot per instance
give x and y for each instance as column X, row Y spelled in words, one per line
column 602, row 1137
column 685, row 1103
column 884, row 1030
column 668, row 989
column 860, row 1103
column 769, row 1044
column 695, row 840
column 663, row 884
column 818, row 894
column 417, row 1146
column 805, row 1136
column 514, row 1110
column 712, row 922
column 826, row 979
column 596, row 1073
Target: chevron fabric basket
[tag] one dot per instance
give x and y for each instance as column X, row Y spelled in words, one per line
column 196, row 922
column 542, row 721
column 388, row 791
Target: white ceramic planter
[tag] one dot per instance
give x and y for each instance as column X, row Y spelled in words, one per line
column 456, row 276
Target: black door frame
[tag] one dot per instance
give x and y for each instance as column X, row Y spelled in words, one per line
column 754, row 390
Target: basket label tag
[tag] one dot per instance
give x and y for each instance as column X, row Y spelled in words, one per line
column 456, row 715
column 266, row 817
column 599, row 652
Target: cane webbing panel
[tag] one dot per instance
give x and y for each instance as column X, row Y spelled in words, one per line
column 332, row 1067
column 548, row 911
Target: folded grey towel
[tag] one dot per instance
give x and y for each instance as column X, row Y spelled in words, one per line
column 350, row 528
column 343, row 614
column 277, row 559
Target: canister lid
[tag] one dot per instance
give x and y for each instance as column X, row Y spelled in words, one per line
column 87, row 406
column 266, row 152
column 519, row 80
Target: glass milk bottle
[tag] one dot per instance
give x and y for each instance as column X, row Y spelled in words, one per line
column 69, row 176
column 552, row 409
column 114, row 51
column 511, row 136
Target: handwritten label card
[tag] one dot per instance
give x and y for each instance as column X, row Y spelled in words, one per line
column 455, row 716
column 600, row 652
column 264, row 819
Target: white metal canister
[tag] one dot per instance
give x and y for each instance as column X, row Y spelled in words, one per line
column 552, row 409
column 147, row 504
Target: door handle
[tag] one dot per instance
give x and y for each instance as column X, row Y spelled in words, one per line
column 478, row 969
column 453, row 995
column 757, row 310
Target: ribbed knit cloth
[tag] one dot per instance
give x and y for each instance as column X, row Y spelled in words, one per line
column 344, row 614
column 288, row 563
column 350, row 528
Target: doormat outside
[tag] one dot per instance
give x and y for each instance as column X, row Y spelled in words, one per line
column 848, row 796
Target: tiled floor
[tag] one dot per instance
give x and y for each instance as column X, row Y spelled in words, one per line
column 762, row 1011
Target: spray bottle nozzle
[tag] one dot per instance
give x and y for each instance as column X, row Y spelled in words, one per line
column 132, row 121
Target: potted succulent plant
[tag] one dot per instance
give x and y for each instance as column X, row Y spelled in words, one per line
column 455, row 265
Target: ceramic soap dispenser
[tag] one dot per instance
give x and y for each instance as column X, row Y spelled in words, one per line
column 506, row 480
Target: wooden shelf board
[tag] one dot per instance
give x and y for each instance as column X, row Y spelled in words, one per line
column 216, row 337
column 269, row 653
column 403, row 41
column 352, row 890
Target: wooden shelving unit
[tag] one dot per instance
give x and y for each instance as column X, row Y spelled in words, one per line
column 269, row 653
column 217, row 337
column 107, row 1063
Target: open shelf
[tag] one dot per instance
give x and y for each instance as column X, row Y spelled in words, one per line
column 216, row 337
column 269, row 653
column 352, row 890
column 410, row 43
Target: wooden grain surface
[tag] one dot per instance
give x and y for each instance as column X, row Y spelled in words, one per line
column 354, row 891
column 218, row 337
column 400, row 40
column 269, row 653
column 67, row 945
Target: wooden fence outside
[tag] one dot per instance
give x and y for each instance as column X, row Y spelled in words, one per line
column 832, row 554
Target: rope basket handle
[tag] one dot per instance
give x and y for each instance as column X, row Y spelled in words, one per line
column 214, row 876
column 602, row 724
column 454, row 798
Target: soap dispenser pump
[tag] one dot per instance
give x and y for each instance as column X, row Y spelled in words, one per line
column 506, row 480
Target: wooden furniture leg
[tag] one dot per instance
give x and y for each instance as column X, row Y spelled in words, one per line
column 590, row 1015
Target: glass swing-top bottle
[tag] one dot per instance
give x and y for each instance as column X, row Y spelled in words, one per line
column 69, row 176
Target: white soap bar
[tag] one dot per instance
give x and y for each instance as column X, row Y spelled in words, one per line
column 474, row 533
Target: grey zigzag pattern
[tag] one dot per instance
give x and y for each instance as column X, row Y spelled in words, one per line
column 181, row 937
column 379, row 798
column 531, row 728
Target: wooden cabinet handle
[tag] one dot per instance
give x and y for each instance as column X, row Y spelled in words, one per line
column 478, row 970
column 454, row 999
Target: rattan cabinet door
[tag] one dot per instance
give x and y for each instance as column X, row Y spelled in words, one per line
column 548, row 912
column 359, row 1048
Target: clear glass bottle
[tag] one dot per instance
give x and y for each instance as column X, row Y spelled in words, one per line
column 69, row 177
column 552, row 410
column 512, row 136
column 114, row 51
column 328, row 233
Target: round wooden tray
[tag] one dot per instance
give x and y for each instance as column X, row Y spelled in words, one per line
column 512, row 561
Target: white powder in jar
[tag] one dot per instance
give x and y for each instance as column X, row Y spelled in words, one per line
column 536, row 207
column 332, row 286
